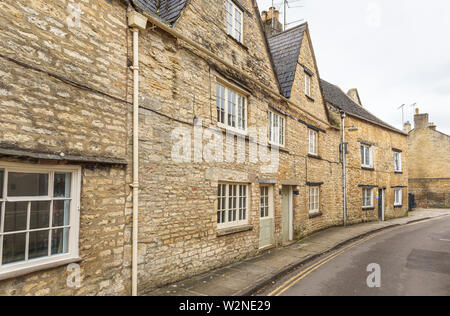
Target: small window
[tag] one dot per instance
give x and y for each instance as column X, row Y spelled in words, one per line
column 231, row 109
column 398, row 197
column 397, row 162
column 235, row 20
column 313, row 142
column 314, row 198
column 366, row 156
column 367, row 196
column 307, row 85
column 38, row 215
column 276, row 129
column 232, row 207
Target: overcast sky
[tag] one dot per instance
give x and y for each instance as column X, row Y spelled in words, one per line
column 393, row 51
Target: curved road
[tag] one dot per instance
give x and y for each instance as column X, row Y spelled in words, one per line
column 413, row 260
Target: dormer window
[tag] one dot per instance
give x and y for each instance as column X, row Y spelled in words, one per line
column 235, row 20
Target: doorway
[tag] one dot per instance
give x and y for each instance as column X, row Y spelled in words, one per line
column 267, row 221
column 287, row 214
column 381, row 204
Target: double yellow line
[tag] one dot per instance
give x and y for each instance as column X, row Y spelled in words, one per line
column 304, row 273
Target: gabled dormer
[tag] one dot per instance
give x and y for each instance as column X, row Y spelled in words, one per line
column 297, row 70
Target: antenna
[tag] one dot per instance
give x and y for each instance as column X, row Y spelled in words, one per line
column 403, row 113
column 288, row 4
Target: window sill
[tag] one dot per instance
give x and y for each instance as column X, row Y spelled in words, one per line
column 309, row 98
column 398, row 172
column 233, row 230
column 314, row 156
column 368, row 168
column 45, row 266
column 371, row 208
column 315, row 214
column 398, row 206
column 231, row 130
column 237, row 42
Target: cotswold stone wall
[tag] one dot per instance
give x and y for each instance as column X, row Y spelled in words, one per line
column 429, row 166
column 60, row 92
column 383, row 142
column 179, row 237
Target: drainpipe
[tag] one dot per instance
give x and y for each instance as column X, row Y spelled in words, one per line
column 344, row 166
column 136, row 22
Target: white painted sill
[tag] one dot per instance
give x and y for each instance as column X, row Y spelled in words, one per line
column 13, row 273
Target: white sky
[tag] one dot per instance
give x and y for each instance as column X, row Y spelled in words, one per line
column 394, row 51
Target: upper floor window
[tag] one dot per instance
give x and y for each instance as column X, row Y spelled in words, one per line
column 39, row 216
column 313, row 142
column 367, row 197
column 307, row 85
column 232, row 206
column 235, row 20
column 276, row 129
column 397, row 162
column 398, row 197
column 366, row 156
column 231, row 109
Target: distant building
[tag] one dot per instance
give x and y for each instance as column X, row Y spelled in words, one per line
column 428, row 163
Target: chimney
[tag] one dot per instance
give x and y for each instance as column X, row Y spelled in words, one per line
column 432, row 126
column 420, row 120
column 271, row 21
column 407, row 127
column 354, row 95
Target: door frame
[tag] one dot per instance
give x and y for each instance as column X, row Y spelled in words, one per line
column 271, row 216
column 381, row 199
column 290, row 210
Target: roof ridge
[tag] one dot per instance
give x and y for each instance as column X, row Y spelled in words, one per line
column 288, row 30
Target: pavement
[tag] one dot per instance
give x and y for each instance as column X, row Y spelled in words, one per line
column 247, row 277
column 409, row 260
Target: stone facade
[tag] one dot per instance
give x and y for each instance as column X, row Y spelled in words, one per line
column 61, row 105
column 429, row 164
column 72, row 87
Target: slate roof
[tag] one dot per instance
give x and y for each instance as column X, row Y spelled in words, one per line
column 285, row 50
column 169, row 11
column 334, row 95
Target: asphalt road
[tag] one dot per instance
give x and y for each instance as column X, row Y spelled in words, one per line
column 412, row 260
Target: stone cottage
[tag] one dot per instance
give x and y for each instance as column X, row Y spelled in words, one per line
column 428, row 163
column 376, row 154
column 136, row 154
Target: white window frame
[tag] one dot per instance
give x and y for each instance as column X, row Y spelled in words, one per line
column 277, row 133
column 314, row 200
column 223, row 104
column 313, row 142
column 398, row 197
column 72, row 254
column 308, row 79
column 364, row 158
column 232, row 27
column 367, row 192
column 241, row 205
column 266, row 202
column 398, row 158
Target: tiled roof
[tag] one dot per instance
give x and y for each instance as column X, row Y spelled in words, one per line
column 169, row 11
column 285, row 50
column 334, row 95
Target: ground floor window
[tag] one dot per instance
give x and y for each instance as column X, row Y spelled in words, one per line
column 232, row 206
column 367, row 196
column 398, row 197
column 314, row 205
column 38, row 214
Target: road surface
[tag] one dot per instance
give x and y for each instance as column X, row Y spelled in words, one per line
column 411, row 260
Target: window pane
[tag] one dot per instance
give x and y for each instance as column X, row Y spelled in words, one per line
column 60, row 241
column 61, row 213
column 2, row 172
column 38, row 246
column 62, row 185
column 40, row 215
column 27, row 184
column 16, row 216
column 13, row 248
